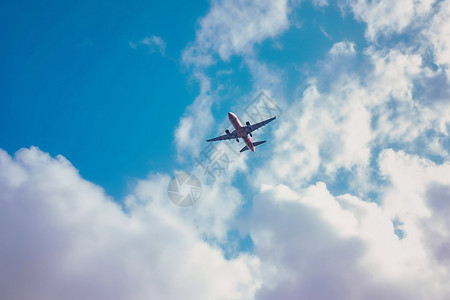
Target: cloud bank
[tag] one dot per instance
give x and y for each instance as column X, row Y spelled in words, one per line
column 62, row 238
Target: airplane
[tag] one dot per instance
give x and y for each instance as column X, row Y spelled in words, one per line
column 242, row 132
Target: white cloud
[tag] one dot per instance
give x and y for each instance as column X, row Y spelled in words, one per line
column 196, row 121
column 417, row 197
column 439, row 35
column 53, row 220
column 63, row 238
column 265, row 77
column 385, row 18
column 343, row 116
column 393, row 73
column 331, row 130
column 233, row 27
column 317, row 246
column 401, row 114
column 153, row 43
column 344, row 47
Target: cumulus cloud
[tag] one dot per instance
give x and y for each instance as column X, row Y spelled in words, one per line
column 62, row 237
column 317, row 245
column 314, row 244
column 332, row 130
column 439, row 35
column 306, row 238
column 233, row 27
column 342, row 117
column 344, row 47
column 384, row 18
column 196, row 120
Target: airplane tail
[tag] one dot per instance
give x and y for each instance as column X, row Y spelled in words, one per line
column 255, row 144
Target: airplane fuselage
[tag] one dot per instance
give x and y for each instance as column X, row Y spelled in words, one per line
column 244, row 132
column 241, row 131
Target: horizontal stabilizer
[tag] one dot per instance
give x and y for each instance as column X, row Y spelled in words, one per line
column 244, row 149
column 258, row 143
column 254, row 144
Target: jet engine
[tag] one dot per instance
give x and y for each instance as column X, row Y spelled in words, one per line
column 227, row 131
column 248, row 124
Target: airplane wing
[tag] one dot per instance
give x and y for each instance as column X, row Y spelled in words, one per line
column 253, row 127
column 227, row 136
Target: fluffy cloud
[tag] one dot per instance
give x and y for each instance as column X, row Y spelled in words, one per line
column 188, row 137
column 343, row 117
column 439, row 35
column 343, row 48
column 333, row 131
column 233, row 27
column 63, row 238
column 418, row 198
column 389, row 17
column 401, row 114
column 318, row 246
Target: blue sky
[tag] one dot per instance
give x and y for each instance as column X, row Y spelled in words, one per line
column 101, row 103
column 72, row 84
